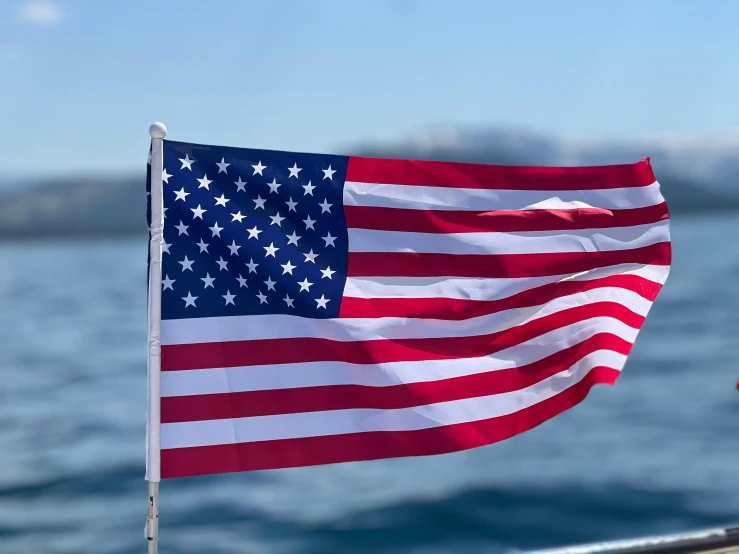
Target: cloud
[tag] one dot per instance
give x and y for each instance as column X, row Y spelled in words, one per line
column 41, row 12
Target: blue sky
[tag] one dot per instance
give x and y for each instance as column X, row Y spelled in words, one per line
column 82, row 80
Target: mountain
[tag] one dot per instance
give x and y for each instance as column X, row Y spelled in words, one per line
column 706, row 161
column 695, row 177
column 87, row 206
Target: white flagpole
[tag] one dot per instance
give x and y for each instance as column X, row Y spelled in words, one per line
column 157, row 131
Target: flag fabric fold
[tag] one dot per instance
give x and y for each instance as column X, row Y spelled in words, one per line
column 320, row 309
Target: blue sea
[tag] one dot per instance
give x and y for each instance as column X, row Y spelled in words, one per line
column 657, row 453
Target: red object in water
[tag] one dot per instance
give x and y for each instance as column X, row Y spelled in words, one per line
column 737, row 385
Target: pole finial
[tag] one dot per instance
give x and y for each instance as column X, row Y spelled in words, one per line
column 158, row 130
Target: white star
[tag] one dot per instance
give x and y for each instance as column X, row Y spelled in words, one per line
column 262, row 299
column 181, row 194
column 186, row 162
column 259, row 202
column 310, row 256
column 291, row 205
column 328, row 173
column 208, row 280
column 204, row 182
column 329, row 240
column 198, row 212
column 165, row 176
column 240, row 185
column 237, row 217
column 259, row 167
column 148, row 160
column 222, row 165
column 289, row 301
column 305, row 285
column 325, row 207
column 254, row 232
column 233, row 248
column 222, row 264
column 221, row 200
column 322, row 302
column 164, row 212
column 288, row 268
column 271, row 250
column 229, row 298
column 309, row 223
column 167, row 282
column 186, row 264
column 327, row 273
column 293, row 239
column 276, row 219
column 190, row 300
column 165, row 247
column 216, row 230
column 242, row 281
column 182, row 228
column 203, row 246
column 252, row 266
column 294, row 170
column 273, row 186
column 308, row 189
column 270, row 283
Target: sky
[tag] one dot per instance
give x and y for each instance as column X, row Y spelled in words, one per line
column 81, row 80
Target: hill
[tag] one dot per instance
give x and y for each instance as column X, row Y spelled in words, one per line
column 693, row 180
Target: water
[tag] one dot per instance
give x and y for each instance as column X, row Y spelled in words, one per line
column 657, row 453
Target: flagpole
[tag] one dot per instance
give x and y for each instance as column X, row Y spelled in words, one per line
column 157, row 131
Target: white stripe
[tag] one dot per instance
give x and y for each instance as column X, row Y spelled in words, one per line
column 483, row 289
column 319, row 374
column 280, row 326
column 339, row 422
column 529, row 242
column 441, row 198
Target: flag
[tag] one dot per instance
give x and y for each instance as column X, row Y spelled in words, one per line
column 320, row 309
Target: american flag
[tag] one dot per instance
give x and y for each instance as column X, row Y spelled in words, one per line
column 320, row 309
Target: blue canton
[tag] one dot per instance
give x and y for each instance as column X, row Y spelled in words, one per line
column 252, row 232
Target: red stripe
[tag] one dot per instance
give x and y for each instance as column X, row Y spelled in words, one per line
column 203, row 460
column 412, row 264
column 480, row 176
column 302, row 350
column 461, row 221
column 456, row 309
column 344, row 397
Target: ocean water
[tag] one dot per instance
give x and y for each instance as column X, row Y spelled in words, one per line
column 657, row 453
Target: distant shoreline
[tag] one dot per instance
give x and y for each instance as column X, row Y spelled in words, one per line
column 114, row 206
column 70, row 236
